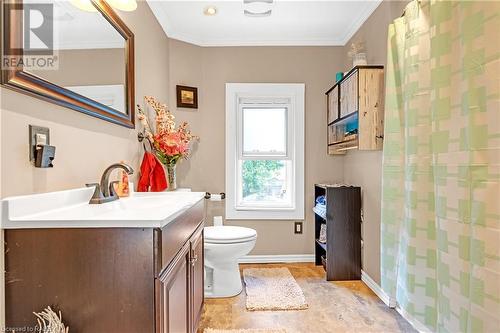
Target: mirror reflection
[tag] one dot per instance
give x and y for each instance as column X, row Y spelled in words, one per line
column 91, row 55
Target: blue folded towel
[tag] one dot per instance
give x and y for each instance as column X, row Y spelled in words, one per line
column 320, row 207
column 321, row 200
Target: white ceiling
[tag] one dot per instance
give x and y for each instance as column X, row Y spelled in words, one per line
column 292, row 22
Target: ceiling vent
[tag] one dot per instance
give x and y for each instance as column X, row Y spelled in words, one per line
column 258, row 8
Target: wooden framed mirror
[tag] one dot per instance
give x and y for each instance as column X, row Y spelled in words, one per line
column 87, row 65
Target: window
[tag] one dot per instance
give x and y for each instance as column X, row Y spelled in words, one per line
column 264, row 151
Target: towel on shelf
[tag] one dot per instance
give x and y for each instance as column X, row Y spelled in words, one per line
column 320, row 210
column 321, row 200
column 152, row 177
column 322, row 233
column 320, row 207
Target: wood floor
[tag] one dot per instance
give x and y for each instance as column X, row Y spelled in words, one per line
column 334, row 307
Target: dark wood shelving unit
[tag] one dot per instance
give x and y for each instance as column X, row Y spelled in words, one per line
column 341, row 255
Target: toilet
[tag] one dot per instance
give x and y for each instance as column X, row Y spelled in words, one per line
column 224, row 245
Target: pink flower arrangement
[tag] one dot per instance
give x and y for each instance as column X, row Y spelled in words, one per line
column 170, row 144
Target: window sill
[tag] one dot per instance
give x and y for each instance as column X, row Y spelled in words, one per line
column 264, row 209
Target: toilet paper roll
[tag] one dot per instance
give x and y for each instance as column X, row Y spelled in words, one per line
column 215, row 197
column 217, row 221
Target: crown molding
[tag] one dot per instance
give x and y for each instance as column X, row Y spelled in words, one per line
column 234, row 43
column 356, row 25
column 158, row 11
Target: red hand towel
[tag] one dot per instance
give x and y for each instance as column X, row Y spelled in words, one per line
column 152, row 175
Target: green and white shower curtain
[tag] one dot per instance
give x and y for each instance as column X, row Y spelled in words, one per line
column 441, row 170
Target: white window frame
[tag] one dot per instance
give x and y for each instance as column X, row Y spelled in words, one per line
column 264, row 94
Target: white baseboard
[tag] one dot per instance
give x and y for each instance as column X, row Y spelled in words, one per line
column 389, row 301
column 268, row 259
column 413, row 321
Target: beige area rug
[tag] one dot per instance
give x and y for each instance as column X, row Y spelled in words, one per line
column 211, row 330
column 272, row 289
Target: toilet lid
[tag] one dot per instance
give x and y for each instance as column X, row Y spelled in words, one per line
column 229, row 234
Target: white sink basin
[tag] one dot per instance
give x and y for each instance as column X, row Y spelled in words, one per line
column 70, row 209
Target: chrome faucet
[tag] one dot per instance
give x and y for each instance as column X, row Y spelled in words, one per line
column 105, row 191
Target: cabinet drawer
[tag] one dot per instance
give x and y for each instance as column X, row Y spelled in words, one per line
column 175, row 234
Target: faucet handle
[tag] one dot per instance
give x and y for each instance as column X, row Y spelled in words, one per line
column 97, row 193
column 97, row 185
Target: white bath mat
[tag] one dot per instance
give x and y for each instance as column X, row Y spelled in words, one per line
column 272, row 289
column 251, row 330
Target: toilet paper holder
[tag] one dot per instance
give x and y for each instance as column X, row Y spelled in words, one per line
column 208, row 196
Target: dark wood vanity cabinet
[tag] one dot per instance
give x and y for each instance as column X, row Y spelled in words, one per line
column 108, row 280
column 181, row 289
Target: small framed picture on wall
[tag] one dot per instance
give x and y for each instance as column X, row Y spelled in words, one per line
column 187, row 97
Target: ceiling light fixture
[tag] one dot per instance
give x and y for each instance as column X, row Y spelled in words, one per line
column 258, row 8
column 210, row 11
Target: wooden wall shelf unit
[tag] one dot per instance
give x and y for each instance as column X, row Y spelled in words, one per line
column 341, row 255
column 355, row 111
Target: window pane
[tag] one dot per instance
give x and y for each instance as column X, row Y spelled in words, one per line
column 264, row 131
column 265, row 183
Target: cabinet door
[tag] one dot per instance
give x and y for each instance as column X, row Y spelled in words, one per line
column 175, row 285
column 333, row 104
column 349, row 95
column 197, row 278
column 371, row 109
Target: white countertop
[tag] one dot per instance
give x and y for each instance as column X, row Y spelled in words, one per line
column 70, row 209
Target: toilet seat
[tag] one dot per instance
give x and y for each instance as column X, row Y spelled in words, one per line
column 229, row 235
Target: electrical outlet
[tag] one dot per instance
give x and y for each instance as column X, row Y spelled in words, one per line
column 40, row 139
column 297, row 227
column 37, row 136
